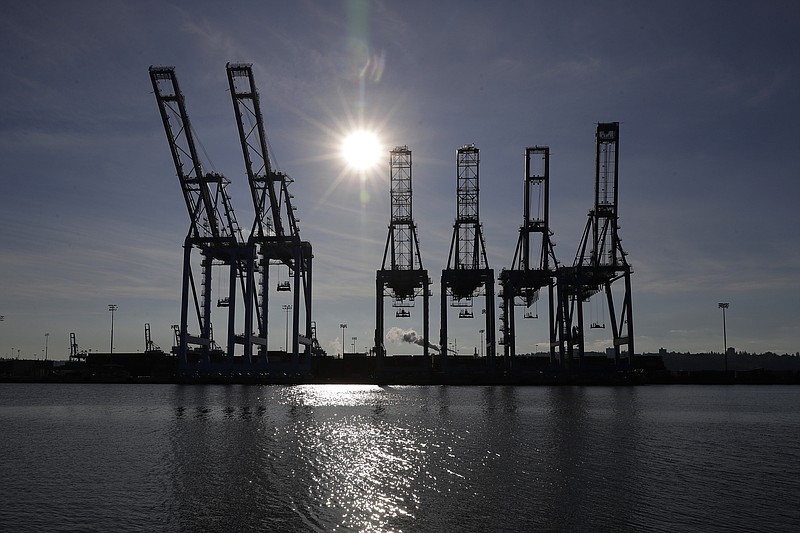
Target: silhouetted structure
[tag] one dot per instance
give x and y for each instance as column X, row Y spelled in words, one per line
column 467, row 274
column 213, row 232
column 534, row 264
column 74, row 354
column 600, row 260
column 149, row 345
column 216, row 235
column 275, row 237
column 401, row 276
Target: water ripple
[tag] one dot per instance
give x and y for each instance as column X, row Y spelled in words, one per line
column 368, row 458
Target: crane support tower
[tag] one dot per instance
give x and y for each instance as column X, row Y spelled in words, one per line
column 401, row 276
column 534, row 265
column 275, row 235
column 213, row 233
column 467, row 274
column 600, row 260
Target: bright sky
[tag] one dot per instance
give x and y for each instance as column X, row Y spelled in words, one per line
column 706, row 94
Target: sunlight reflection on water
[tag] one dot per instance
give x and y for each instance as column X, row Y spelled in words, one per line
column 333, row 395
column 370, row 458
column 363, row 468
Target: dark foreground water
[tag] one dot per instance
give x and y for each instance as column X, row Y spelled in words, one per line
column 369, row 458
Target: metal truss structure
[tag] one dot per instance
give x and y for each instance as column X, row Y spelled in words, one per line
column 214, row 234
column 275, row 235
column 401, row 276
column 467, row 274
column 600, row 260
column 534, row 265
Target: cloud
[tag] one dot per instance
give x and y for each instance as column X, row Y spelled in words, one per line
column 211, row 36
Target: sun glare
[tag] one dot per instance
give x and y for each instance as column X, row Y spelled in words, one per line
column 361, row 150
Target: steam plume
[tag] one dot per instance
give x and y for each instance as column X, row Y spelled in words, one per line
column 396, row 334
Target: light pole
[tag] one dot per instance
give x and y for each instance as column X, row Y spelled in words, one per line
column 46, row 339
column 112, row 308
column 287, row 308
column 354, row 344
column 482, row 332
column 724, row 306
column 343, row 326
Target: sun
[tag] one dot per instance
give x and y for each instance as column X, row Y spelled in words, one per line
column 361, row 150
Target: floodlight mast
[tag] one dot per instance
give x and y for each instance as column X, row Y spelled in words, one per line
column 724, row 306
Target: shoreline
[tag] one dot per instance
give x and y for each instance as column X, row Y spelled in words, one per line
column 162, row 368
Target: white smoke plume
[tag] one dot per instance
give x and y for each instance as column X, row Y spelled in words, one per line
column 396, row 334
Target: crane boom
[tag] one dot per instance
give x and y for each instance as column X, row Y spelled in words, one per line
column 269, row 188
column 262, row 178
column 202, row 192
column 214, row 233
column 275, row 236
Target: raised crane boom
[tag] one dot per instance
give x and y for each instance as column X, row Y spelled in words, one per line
column 213, row 232
column 269, row 188
column 534, row 265
column 210, row 212
column 467, row 274
column 275, row 237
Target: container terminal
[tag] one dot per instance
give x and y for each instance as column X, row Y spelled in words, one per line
column 215, row 247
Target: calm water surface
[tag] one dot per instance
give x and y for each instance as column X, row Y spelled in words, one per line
column 369, row 458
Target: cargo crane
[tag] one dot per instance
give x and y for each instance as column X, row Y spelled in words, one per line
column 401, row 276
column 534, row 265
column 213, row 232
column 149, row 345
column 275, row 236
column 467, row 274
column 74, row 354
column 600, row 260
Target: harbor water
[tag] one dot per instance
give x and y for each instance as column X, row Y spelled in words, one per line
column 90, row 457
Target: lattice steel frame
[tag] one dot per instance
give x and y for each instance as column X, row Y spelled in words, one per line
column 534, row 265
column 467, row 274
column 600, row 260
column 275, row 237
column 213, row 231
column 402, row 276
